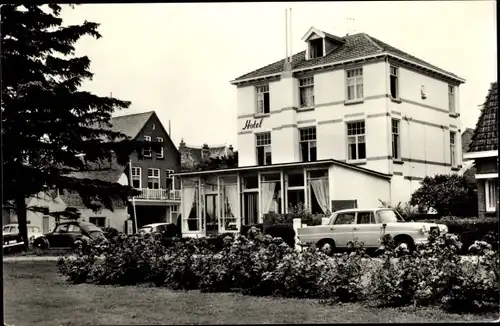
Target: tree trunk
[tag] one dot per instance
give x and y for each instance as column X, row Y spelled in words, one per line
column 21, row 212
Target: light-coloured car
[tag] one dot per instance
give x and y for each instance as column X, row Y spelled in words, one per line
column 153, row 228
column 11, row 236
column 367, row 226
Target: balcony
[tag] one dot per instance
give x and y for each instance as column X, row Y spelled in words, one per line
column 159, row 194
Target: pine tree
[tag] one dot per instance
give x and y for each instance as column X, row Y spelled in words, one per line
column 47, row 120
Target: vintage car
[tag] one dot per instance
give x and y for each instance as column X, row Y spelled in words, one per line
column 12, row 238
column 69, row 235
column 367, row 226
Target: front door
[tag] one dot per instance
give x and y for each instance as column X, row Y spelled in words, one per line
column 211, row 214
column 251, row 208
column 45, row 224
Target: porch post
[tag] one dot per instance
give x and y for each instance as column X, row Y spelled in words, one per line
column 200, row 206
column 306, row 191
column 218, row 206
column 260, row 218
column 238, row 214
column 282, row 181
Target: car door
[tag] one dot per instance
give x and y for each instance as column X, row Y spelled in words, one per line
column 342, row 229
column 74, row 231
column 366, row 230
column 56, row 238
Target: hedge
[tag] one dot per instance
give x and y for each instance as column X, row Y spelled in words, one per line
column 471, row 229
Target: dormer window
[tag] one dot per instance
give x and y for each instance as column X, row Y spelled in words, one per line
column 320, row 44
column 316, row 48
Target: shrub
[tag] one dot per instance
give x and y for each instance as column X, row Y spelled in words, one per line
column 301, row 211
column 244, row 228
column 436, row 274
column 283, row 231
column 110, row 232
column 447, row 194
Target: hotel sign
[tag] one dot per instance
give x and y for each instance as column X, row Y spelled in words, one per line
column 253, row 124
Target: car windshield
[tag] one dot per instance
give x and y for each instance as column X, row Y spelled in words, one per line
column 89, row 227
column 146, row 229
column 389, row 216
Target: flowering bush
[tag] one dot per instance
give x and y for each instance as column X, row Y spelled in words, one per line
column 435, row 273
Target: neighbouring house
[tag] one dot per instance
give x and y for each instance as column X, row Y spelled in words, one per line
column 483, row 151
column 45, row 202
column 349, row 120
column 192, row 155
column 466, row 140
column 153, row 174
column 102, row 217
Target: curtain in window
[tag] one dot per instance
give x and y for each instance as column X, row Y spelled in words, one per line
column 308, row 96
column 188, row 194
column 359, row 88
column 267, row 194
column 232, row 198
column 320, row 189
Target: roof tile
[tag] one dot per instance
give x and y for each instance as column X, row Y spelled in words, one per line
column 355, row 46
column 485, row 137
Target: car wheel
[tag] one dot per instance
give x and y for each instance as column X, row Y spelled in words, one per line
column 78, row 244
column 40, row 246
column 405, row 243
column 327, row 247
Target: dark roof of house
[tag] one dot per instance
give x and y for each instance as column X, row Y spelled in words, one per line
column 355, row 46
column 485, row 137
column 466, row 139
column 130, row 124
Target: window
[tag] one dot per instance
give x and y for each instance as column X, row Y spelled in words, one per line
column 73, row 228
column 160, row 153
column 354, row 84
column 365, row 218
column 345, row 218
column 147, row 149
column 154, row 178
column 264, row 149
column 263, row 104
column 306, row 91
column 394, row 82
column 316, row 48
column 396, row 149
column 453, row 146
column 136, row 178
column 356, row 140
column 451, row 98
column 491, row 194
column 170, row 178
column 61, row 228
column 98, row 221
column 308, row 144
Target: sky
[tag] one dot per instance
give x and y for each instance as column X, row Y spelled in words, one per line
column 178, row 58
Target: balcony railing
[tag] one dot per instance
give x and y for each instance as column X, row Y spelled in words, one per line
column 159, row 194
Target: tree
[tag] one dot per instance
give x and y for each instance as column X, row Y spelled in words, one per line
column 215, row 163
column 449, row 195
column 48, row 123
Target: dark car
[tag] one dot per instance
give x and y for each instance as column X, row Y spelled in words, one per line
column 69, row 234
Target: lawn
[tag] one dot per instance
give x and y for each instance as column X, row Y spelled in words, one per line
column 34, row 294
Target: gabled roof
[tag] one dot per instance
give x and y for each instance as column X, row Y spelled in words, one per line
column 485, row 137
column 466, row 139
column 356, row 46
column 130, row 124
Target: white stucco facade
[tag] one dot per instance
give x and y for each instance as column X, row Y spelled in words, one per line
column 424, row 123
column 358, row 127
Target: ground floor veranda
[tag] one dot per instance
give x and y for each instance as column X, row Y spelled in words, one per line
column 222, row 201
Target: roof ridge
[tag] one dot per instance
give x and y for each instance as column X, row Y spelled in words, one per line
column 369, row 38
column 132, row 114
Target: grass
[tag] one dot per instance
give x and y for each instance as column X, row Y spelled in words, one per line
column 35, row 294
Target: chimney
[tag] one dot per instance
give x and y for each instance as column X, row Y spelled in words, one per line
column 287, row 66
column 205, row 151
